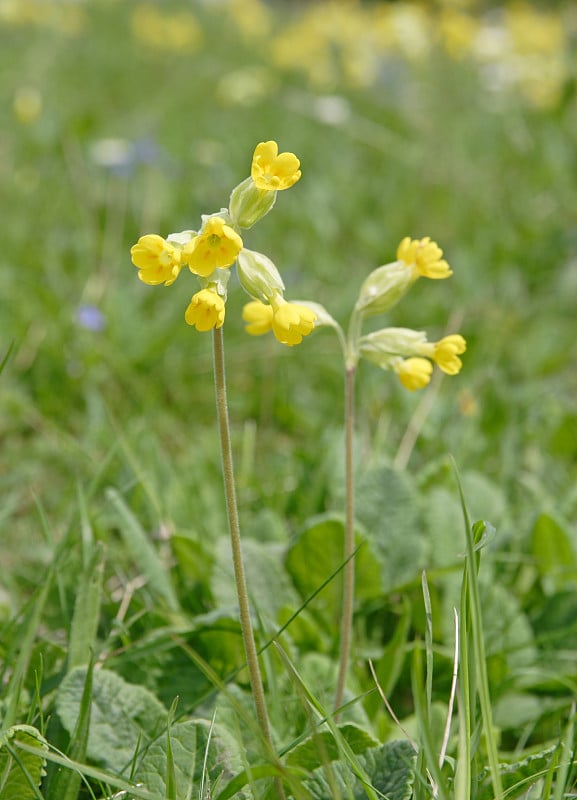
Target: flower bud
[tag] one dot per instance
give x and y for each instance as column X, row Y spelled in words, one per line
column 258, row 275
column 249, row 204
column 383, row 288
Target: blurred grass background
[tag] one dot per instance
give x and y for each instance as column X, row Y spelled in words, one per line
column 452, row 120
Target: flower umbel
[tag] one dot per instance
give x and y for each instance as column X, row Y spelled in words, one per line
column 274, row 171
column 258, row 317
column 158, row 261
column 424, row 257
column 414, row 373
column 216, row 246
column 206, row 310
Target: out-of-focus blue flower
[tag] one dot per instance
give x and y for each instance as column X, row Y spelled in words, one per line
column 121, row 156
column 90, row 318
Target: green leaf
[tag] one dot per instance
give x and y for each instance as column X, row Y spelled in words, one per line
column 323, row 746
column 198, row 748
column 269, row 585
column 122, row 715
column 86, row 611
column 390, row 768
column 317, row 554
column 553, row 553
column 387, row 506
column 21, row 772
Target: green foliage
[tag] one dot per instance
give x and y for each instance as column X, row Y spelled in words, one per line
column 123, row 717
column 21, row 772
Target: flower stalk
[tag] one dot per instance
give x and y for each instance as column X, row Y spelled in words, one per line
column 349, row 543
column 234, row 530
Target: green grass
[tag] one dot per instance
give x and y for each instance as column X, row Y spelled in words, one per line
column 113, row 538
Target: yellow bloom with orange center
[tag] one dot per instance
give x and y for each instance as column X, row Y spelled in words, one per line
column 158, row 261
column 424, row 257
column 272, row 171
column 414, row 373
column 215, row 247
column 206, row 310
column 445, row 353
column 291, row 321
column 258, row 317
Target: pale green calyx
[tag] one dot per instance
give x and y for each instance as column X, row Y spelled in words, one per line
column 382, row 346
column 248, row 204
column 258, row 275
column 383, row 288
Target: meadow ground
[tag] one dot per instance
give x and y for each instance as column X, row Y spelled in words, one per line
column 454, row 121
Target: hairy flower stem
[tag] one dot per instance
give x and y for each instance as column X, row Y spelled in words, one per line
column 349, row 546
column 234, row 529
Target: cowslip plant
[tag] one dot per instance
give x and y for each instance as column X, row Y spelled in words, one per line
column 209, row 254
column 403, row 351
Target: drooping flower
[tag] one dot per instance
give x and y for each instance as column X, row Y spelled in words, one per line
column 274, row 171
column 215, row 247
column 258, row 317
column 206, row 310
column 158, row 261
column 424, row 257
column 445, row 353
column 414, row 373
column 291, row 321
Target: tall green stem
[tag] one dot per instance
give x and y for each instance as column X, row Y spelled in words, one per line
column 234, row 529
column 349, row 546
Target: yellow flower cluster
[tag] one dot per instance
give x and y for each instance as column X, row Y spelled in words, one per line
column 210, row 252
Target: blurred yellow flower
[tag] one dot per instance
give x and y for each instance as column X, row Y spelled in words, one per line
column 414, row 373
column 424, row 257
column 27, row 104
column 158, row 261
column 216, row 246
column 258, row 317
column 206, row 310
column 156, row 29
column 272, row 171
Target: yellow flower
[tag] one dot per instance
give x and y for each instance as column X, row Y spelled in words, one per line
column 414, row 373
column 445, row 353
column 206, row 310
column 291, row 321
column 158, row 261
column 424, row 257
column 272, row 171
column 216, row 246
column 258, row 317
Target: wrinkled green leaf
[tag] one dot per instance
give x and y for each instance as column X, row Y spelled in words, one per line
column 196, row 750
column 122, row 715
column 18, row 779
column 310, row 753
column 390, row 768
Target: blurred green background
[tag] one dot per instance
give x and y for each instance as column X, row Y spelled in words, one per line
column 450, row 120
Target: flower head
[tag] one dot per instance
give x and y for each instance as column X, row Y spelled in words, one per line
column 216, row 246
column 158, row 261
column 424, row 257
column 258, row 317
column 414, row 373
column 272, row 171
column 291, row 321
column 206, row 310
column 445, row 353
